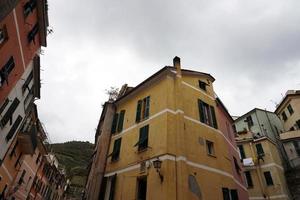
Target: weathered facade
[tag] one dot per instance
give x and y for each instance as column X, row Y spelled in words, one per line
column 162, row 140
column 288, row 111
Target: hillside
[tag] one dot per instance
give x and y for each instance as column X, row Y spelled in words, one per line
column 74, row 156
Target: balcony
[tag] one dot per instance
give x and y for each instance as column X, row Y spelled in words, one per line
column 290, row 135
column 27, row 137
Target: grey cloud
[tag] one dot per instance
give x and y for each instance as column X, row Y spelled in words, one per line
column 252, row 48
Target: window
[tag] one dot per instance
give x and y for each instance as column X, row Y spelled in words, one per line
column 29, row 7
column 117, row 124
column 21, row 180
column 113, row 180
column 290, row 109
column 297, row 147
column 32, row 33
column 292, row 129
column 18, row 160
column 202, row 85
column 268, row 178
column 229, row 194
column 13, row 151
column 116, row 150
column 234, row 195
column 242, row 151
column 236, row 165
column 10, row 111
column 3, row 35
column 226, row 194
column 143, row 109
column 6, row 69
column 249, row 121
column 210, row 148
column 284, row 117
column 14, row 128
column 248, row 179
column 207, row 114
column 298, row 123
column 259, row 150
column 141, row 188
column 27, row 82
column 143, row 139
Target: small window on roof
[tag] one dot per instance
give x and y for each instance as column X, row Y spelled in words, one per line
column 202, row 85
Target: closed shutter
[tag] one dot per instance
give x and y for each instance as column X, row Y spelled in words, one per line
column 260, row 150
column 147, row 107
column 143, row 138
column 201, row 111
column 116, row 150
column 213, row 115
column 114, row 123
column 10, row 112
column 242, row 151
column 14, row 128
column 138, row 111
column 121, row 120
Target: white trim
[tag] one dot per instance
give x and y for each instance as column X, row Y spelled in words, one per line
column 271, row 197
column 185, row 83
column 178, row 159
column 7, row 172
column 25, row 163
column 173, row 112
column 198, row 122
column 147, row 120
column 19, row 40
column 272, row 165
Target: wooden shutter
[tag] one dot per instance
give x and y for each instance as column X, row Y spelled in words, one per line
column 10, row 112
column 147, row 107
column 260, row 150
column 116, row 150
column 114, row 123
column 14, row 128
column 201, row 111
column 138, row 111
column 121, row 120
column 213, row 115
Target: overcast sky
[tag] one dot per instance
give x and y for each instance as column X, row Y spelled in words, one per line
column 251, row 47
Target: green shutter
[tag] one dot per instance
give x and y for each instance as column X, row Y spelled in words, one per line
column 201, row 111
column 13, row 106
column 138, row 111
column 213, row 115
column 260, row 150
column 147, row 107
column 116, row 150
column 143, row 138
column 121, row 120
column 114, row 123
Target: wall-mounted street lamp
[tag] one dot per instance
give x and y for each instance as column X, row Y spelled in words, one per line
column 157, row 165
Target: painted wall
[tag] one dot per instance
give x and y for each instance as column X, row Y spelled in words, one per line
column 271, row 162
column 291, row 118
column 178, row 138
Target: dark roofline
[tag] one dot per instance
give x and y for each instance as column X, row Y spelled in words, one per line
column 156, row 74
column 284, row 99
column 253, row 110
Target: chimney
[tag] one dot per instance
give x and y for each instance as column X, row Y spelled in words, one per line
column 176, row 63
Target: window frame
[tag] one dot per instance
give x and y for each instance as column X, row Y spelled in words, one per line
column 115, row 155
column 142, row 109
column 143, row 141
column 290, row 109
column 268, row 178
column 202, row 85
column 141, row 179
column 210, row 149
column 249, row 180
column 284, row 116
column 259, row 149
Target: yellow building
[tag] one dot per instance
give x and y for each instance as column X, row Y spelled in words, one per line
column 262, row 167
column 164, row 143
